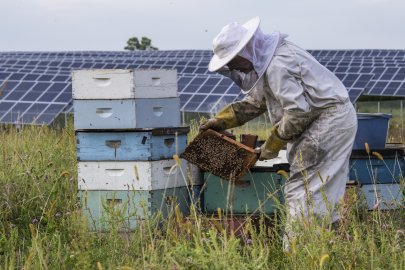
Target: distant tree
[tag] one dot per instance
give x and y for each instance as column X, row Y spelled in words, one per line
column 133, row 44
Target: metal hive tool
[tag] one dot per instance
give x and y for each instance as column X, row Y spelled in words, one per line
column 222, row 156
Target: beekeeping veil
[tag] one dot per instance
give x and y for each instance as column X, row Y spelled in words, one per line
column 249, row 42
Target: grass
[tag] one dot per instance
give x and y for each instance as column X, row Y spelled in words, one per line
column 43, row 227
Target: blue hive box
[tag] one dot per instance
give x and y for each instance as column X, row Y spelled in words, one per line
column 367, row 168
column 153, row 144
column 372, row 129
column 383, row 196
column 127, row 114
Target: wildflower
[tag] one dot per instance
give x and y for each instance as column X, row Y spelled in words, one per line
column 34, row 221
column 249, row 241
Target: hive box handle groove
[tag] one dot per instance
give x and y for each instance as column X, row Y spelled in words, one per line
column 158, row 111
column 115, row 172
column 102, row 81
column 169, row 142
column 170, row 170
column 114, row 201
column 113, row 143
column 156, row 81
column 104, row 112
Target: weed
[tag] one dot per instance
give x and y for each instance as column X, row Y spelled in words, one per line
column 43, row 227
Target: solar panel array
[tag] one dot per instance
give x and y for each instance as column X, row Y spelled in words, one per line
column 36, row 86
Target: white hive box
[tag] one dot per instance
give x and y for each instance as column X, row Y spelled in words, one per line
column 134, row 175
column 124, row 84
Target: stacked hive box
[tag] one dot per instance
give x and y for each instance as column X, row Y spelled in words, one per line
column 257, row 192
column 379, row 175
column 379, row 171
column 127, row 126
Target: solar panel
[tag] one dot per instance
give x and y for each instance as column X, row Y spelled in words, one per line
column 39, row 84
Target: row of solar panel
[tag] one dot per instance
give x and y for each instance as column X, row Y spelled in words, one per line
column 171, row 63
column 26, row 73
column 190, row 62
column 45, row 91
column 27, row 112
column 104, row 54
column 390, row 78
column 28, row 80
column 386, row 84
column 329, row 53
column 174, row 63
column 180, row 70
column 349, row 79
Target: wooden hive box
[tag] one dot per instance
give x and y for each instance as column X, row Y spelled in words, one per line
column 129, row 145
column 124, row 83
column 127, row 207
column 258, row 191
column 222, row 156
column 388, row 196
column 136, row 175
column 127, row 113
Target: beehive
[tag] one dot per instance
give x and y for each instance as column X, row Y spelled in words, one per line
column 128, row 207
column 133, row 175
column 259, row 191
column 220, row 155
column 124, row 83
column 383, row 196
column 127, row 113
column 369, row 169
column 127, row 125
column 145, row 144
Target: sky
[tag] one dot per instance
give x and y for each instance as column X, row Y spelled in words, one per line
column 72, row 25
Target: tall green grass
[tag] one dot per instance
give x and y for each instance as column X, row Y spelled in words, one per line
column 43, row 227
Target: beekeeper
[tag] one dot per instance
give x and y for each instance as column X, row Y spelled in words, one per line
column 308, row 106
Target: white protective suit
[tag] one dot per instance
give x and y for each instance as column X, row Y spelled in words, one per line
column 312, row 108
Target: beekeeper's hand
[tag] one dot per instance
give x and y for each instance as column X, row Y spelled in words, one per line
column 223, row 120
column 215, row 124
column 271, row 146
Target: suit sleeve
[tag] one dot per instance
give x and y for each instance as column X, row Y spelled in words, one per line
column 253, row 105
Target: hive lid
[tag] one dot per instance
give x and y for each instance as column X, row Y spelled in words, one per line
column 222, row 156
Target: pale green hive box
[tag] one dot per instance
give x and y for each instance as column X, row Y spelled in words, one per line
column 125, row 207
column 259, row 192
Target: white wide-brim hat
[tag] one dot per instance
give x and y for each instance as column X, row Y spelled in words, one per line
column 230, row 41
